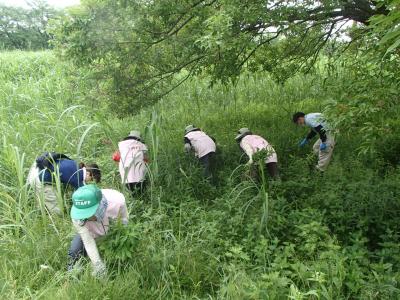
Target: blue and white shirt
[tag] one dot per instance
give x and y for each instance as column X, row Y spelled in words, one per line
column 318, row 124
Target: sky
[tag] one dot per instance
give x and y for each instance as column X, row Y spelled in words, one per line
column 55, row 3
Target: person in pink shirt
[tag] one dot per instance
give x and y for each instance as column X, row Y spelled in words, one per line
column 204, row 148
column 251, row 144
column 132, row 161
column 91, row 213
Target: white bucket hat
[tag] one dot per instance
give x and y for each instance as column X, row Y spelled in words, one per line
column 242, row 132
column 190, row 128
column 135, row 134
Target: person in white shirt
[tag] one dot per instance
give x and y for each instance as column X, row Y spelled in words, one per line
column 204, row 148
column 251, row 144
column 132, row 160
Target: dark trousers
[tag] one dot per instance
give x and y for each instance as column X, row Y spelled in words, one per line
column 76, row 250
column 208, row 163
column 271, row 168
column 136, row 188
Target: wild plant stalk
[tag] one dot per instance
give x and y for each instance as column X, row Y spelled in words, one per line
column 153, row 132
column 264, row 196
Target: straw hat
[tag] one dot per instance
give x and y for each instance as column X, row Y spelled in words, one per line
column 242, row 132
column 190, row 128
column 135, row 134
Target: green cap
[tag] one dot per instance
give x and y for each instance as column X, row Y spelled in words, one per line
column 85, row 202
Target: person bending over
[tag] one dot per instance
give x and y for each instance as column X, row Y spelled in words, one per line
column 91, row 213
column 204, row 148
column 132, row 159
column 251, row 144
column 50, row 167
column 324, row 146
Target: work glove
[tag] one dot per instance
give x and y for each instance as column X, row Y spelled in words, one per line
column 187, row 147
column 99, row 270
column 116, row 156
column 323, row 147
column 303, row 143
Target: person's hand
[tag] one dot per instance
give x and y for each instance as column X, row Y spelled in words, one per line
column 303, row 143
column 99, row 269
column 323, row 147
column 188, row 147
column 116, row 156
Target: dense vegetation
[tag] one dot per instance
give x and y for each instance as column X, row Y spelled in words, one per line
column 25, row 29
column 222, row 65
column 308, row 237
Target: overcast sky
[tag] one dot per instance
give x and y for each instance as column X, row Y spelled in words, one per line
column 55, row 3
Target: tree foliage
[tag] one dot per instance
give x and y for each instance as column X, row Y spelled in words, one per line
column 387, row 26
column 140, row 46
column 22, row 28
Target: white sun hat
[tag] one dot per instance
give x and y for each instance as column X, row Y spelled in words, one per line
column 190, row 128
column 242, row 132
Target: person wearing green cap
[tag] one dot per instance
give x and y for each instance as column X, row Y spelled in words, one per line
column 91, row 212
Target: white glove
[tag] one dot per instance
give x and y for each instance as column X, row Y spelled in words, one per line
column 187, row 147
column 99, row 270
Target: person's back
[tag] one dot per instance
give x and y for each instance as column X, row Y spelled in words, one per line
column 132, row 165
column 69, row 172
column 251, row 144
column 255, row 141
column 201, row 143
column 314, row 120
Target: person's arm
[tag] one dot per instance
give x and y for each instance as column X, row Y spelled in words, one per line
column 123, row 214
column 311, row 135
column 321, row 131
column 89, row 242
column 249, row 151
column 188, row 144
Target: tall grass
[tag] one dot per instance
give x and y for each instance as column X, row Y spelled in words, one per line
column 308, row 237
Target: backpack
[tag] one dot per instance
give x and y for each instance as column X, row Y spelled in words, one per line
column 47, row 159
